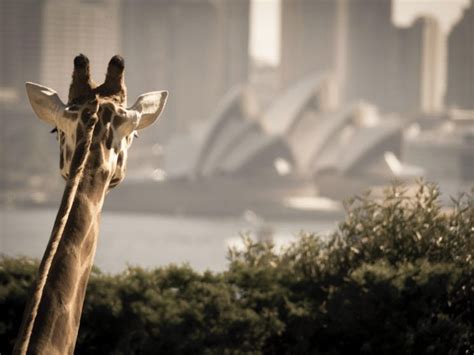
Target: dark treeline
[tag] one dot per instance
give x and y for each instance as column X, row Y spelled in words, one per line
column 396, row 278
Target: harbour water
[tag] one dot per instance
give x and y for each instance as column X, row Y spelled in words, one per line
column 151, row 240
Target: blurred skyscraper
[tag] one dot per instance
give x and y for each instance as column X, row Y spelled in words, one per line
column 383, row 62
column 71, row 27
column 20, row 47
column 197, row 50
column 20, row 61
column 39, row 39
column 308, row 38
column 461, row 63
column 357, row 41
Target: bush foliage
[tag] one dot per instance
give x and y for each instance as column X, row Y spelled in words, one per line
column 395, row 278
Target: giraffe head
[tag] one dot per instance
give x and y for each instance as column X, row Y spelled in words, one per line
column 99, row 110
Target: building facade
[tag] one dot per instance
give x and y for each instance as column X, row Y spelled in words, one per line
column 197, row 50
column 460, row 92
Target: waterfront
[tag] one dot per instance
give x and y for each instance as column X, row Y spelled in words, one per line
column 150, row 240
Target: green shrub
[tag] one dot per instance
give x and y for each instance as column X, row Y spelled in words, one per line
column 395, row 278
column 16, row 277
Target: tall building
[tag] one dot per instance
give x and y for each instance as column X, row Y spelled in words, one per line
column 460, row 91
column 308, row 38
column 197, row 50
column 71, row 27
column 384, row 62
column 406, row 88
column 20, row 61
column 20, row 47
column 356, row 41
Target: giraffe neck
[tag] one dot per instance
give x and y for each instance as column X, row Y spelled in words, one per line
column 51, row 320
column 55, row 325
column 59, row 311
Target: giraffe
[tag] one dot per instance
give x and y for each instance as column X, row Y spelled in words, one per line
column 94, row 131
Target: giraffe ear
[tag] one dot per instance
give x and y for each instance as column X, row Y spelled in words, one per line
column 149, row 106
column 45, row 103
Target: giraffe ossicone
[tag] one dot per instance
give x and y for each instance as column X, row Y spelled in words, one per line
column 95, row 131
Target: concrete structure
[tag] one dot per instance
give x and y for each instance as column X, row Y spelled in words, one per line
column 70, row 27
column 358, row 147
column 308, row 38
column 356, row 41
column 236, row 142
column 196, row 49
column 409, row 53
column 384, row 62
column 460, row 91
column 279, row 118
column 21, row 26
column 20, row 47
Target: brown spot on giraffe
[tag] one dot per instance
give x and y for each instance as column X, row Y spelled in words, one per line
column 109, row 139
column 92, row 161
column 70, row 115
column 68, row 153
column 106, row 116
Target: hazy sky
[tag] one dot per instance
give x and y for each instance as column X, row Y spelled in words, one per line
column 265, row 21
